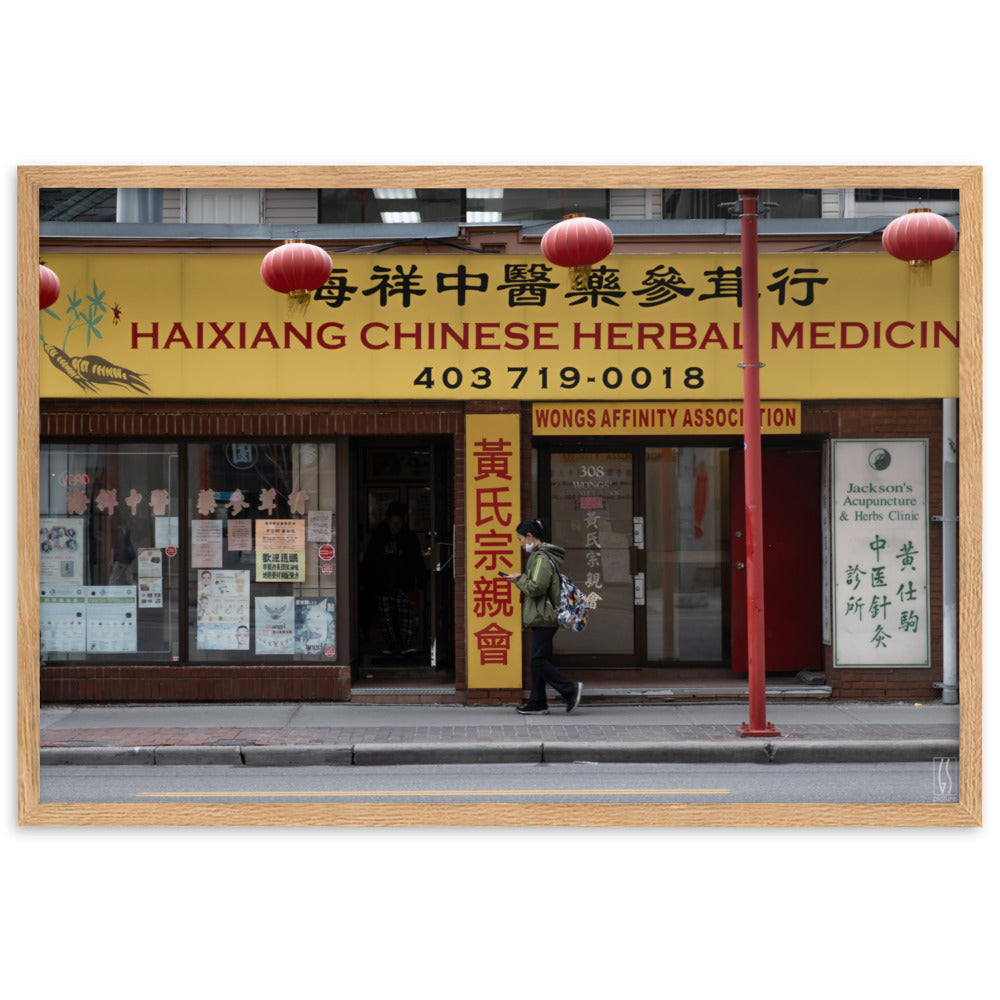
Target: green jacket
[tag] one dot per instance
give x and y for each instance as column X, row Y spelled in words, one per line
column 540, row 585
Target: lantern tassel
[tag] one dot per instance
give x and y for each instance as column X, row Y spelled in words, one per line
column 298, row 302
column 579, row 277
column 920, row 273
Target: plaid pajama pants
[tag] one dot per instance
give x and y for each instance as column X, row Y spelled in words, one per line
column 395, row 609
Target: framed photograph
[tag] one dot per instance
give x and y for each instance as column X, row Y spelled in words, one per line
column 641, row 355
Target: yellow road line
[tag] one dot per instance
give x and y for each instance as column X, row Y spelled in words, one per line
column 370, row 793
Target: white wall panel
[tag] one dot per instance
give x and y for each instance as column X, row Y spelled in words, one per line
column 223, row 205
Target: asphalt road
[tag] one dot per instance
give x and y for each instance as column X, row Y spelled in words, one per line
column 488, row 783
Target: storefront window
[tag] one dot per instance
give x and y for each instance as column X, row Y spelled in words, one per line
column 261, row 563
column 108, row 552
column 687, row 553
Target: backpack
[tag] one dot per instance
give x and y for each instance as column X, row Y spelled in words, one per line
column 573, row 607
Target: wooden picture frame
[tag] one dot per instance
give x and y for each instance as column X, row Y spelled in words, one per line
column 967, row 811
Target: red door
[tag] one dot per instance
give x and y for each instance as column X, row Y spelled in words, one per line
column 793, row 590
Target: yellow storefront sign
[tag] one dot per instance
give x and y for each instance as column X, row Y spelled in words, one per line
column 657, row 419
column 493, row 496
column 649, row 327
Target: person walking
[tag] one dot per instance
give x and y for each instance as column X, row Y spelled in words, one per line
column 540, row 585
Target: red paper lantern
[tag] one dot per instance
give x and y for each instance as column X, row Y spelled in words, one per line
column 577, row 243
column 296, row 269
column 48, row 286
column 919, row 237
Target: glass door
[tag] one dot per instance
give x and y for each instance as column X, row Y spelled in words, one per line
column 593, row 518
column 687, row 548
column 647, row 535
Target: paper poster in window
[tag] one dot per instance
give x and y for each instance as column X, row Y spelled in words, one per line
column 223, row 610
column 111, row 619
column 239, row 535
column 150, row 565
column 319, row 526
column 280, row 567
column 284, row 535
column 166, row 532
column 63, row 620
column 275, row 625
column 315, row 626
column 206, row 544
column 61, row 542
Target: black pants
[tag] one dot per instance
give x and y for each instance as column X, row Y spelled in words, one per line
column 543, row 671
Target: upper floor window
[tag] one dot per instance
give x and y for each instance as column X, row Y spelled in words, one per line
column 78, row 204
column 463, row 205
column 905, row 194
column 718, row 203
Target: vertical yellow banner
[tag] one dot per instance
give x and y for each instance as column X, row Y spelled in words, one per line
column 493, row 499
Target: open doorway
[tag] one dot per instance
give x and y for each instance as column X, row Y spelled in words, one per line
column 403, row 526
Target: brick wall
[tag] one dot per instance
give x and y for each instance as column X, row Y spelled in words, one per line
column 174, row 682
column 191, row 420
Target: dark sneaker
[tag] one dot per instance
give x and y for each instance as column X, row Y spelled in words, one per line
column 528, row 709
column 574, row 700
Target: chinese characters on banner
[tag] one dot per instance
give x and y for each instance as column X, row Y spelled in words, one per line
column 881, row 558
column 493, row 498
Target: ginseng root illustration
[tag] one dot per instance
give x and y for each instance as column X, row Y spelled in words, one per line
column 91, row 370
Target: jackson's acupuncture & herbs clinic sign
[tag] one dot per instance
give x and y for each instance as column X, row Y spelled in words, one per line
column 881, row 558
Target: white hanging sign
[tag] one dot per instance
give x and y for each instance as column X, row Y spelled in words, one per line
column 881, row 554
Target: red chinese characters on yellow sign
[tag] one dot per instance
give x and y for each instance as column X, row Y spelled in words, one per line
column 493, row 492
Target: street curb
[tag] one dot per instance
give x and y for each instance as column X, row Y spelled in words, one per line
column 658, row 752
column 744, row 750
column 198, row 755
column 310, row 755
column 865, row 751
column 96, row 756
column 447, row 753
column 754, row 751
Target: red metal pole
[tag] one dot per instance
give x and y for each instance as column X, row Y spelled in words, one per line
column 758, row 726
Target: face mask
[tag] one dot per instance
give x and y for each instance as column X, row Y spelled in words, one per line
column 528, row 546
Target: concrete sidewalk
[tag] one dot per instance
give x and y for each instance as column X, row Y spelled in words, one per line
column 310, row 733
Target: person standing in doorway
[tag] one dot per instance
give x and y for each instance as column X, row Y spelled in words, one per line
column 393, row 566
column 540, row 585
